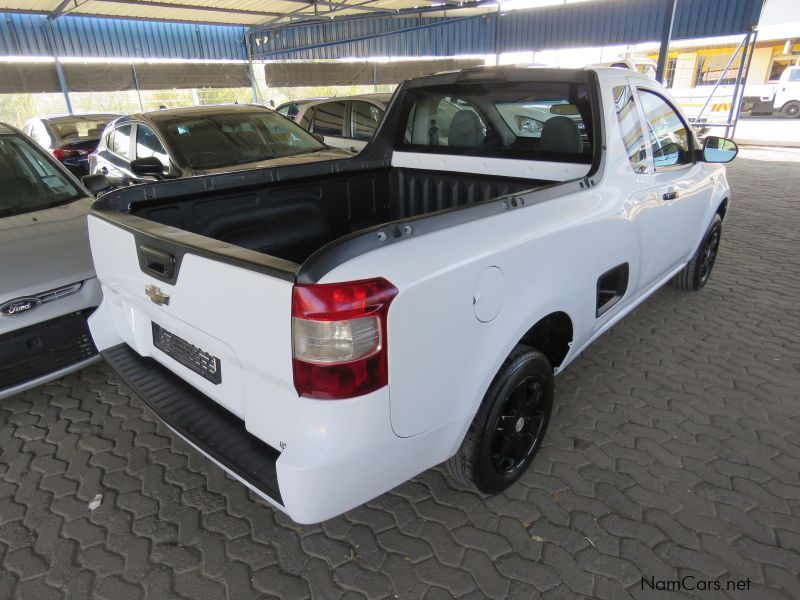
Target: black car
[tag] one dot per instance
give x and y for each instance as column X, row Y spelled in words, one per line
column 69, row 138
column 196, row 140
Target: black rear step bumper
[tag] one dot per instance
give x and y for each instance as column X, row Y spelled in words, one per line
column 214, row 430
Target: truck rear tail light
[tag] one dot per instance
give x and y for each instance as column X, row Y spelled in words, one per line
column 339, row 338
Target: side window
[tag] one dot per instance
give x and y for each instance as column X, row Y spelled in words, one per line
column 308, row 117
column 329, row 119
column 148, row 144
column 630, row 128
column 365, row 119
column 120, row 142
column 794, row 75
column 669, row 137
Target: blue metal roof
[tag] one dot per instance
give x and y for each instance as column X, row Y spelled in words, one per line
column 86, row 37
column 599, row 23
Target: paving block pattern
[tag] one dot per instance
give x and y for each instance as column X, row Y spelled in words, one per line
column 674, row 451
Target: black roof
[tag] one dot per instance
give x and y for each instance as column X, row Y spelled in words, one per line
column 168, row 114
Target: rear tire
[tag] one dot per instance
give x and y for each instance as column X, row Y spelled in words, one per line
column 696, row 273
column 509, row 426
column 791, row 109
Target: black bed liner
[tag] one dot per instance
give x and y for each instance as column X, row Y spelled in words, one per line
column 376, row 157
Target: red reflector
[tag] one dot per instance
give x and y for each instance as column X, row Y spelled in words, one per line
column 339, row 338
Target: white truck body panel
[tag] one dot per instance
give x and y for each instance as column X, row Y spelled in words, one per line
column 467, row 295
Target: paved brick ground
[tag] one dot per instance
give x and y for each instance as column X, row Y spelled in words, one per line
column 675, row 450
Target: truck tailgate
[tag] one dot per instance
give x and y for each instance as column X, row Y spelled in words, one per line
column 222, row 327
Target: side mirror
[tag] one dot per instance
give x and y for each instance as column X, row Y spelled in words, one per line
column 96, row 184
column 319, row 137
column 149, row 166
column 719, row 150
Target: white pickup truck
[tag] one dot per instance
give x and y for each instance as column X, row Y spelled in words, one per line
column 782, row 97
column 329, row 327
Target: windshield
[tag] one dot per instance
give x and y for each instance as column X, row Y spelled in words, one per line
column 75, row 129
column 28, row 180
column 224, row 140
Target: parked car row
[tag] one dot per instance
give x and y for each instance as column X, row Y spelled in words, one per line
column 307, row 318
column 198, row 140
column 70, row 138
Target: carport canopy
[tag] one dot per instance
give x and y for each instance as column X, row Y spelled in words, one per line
column 226, row 12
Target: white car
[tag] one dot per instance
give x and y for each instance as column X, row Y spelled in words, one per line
column 326, row 329
column 47, row 282
column 347, row 122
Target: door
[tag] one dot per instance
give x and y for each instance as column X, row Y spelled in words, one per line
column 671, row 207
column 364, row 120
column 328, row 121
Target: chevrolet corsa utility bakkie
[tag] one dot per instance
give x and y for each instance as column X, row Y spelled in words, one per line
column 338, row 324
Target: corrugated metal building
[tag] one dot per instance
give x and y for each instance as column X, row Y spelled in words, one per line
column 86, row 37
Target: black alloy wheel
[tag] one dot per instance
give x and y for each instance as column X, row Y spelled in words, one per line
column 519, row 426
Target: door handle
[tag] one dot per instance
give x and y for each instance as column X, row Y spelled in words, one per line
column 158, row 263
column 671, row 194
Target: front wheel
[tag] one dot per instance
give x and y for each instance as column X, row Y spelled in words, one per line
column 791, row 109
column 509, row 426
column 697, row 271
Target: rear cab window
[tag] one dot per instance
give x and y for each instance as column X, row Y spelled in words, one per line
column 533, row 120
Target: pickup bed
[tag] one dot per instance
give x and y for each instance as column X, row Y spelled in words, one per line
column 330, row 326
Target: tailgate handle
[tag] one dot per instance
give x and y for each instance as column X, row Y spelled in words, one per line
column 157, row 262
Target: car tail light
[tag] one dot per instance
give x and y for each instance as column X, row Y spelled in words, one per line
column 62, row 153
column 339, row 338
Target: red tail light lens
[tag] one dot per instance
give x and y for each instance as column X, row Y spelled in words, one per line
column 339, row 338
column 61, row 153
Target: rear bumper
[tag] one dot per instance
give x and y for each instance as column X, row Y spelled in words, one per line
column 339, row 455
column 213, row 430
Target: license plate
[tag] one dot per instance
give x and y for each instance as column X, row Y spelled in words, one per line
column 190, row 356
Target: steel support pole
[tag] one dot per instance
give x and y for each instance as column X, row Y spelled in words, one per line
column 62, row 81
column 497, row 35
column 744, row 85
column 251, row 74
column 721, row 77
column 666, row 38
column 738, row 83
column 136, row 85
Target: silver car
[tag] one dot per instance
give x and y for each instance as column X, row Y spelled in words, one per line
column 48, row 286
column 345, row 122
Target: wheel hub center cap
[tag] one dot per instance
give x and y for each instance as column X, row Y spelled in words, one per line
column 519, row 424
